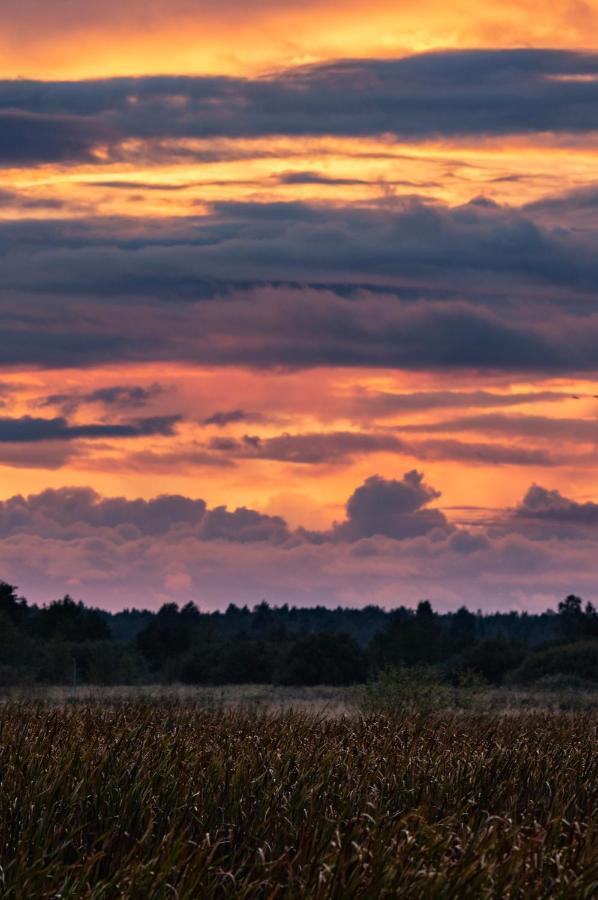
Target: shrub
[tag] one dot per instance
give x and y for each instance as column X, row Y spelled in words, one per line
column 401, row 689
column 579, row 659
column 491, row 659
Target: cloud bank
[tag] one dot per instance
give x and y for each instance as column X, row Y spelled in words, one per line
column 431, row 95
column 394, row 546
column 415, row 286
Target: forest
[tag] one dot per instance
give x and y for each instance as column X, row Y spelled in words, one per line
column 65, row 642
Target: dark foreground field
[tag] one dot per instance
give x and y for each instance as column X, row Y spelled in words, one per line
column 166, row 800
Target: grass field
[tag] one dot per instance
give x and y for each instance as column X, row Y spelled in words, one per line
column 323, row 699
column 161, row 799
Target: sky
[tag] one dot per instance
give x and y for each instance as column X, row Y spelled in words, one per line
column 299, row 302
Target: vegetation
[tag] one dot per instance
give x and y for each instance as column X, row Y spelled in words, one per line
column 157, row 801
column 579, row 660
column 65, row 642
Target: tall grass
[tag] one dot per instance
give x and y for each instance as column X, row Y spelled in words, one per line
column 157, row 801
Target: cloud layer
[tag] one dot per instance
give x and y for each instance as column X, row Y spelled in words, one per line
column 281, row 291
column 393, row 547
column 450, row 95
column 298, row 285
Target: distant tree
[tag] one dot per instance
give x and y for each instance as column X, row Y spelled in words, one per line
column 11, row 605
column 462, row 630
column 70, row 621
column 127, row 624
column 410, row 641
column 168, row 635
column 575, row 622
column 334, row 659
column 492, row 658
column 199, row 665
column 189, row 615
column 262, row 619
column 19, row 652
column 244, row 660
column 570, row 616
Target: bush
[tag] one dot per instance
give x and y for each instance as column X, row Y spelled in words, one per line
column 108, row 662
column 401, row 689
column 491, row 659
column 579, row 659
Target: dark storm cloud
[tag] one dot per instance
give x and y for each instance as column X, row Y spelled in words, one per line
column 573, row 201
column 70, row 512
column 409, row 243
column 396, row 509
column 30, row 138
column 230, row 416
column 294, row 329
column 53, row 511
column 542, row 504
column 242, row 525
column 28, row 429
column 317, row 178
column 310, row 449
column 481, row 92
column 125, row 396
column 407, row 285
column 339, row 447
column 392, row 538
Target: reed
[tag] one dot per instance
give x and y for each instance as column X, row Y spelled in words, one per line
column 161, row 800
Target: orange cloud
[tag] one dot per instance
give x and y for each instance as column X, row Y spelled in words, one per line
column 322, row 402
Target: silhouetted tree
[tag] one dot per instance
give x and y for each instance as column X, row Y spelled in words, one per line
column 491, row 658
column 167, row 636
column 410, row 641
column 575, row 622
column 11, row 605
column 69, row 621
column 322, row 659
column 462, row 629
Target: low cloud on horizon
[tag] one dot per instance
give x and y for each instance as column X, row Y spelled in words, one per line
column 394, row 546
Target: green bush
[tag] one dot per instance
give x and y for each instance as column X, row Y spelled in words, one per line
column 402, row 689
column 579, row 659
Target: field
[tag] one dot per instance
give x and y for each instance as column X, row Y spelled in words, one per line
column 158, row 798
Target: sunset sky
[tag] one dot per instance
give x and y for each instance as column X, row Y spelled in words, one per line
column 299, row 302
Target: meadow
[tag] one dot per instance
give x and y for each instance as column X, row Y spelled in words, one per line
column 166, row 797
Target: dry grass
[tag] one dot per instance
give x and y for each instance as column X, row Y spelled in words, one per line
column 163, row 799
column 322, row 700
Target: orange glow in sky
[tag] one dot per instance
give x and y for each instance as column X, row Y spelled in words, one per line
column 54, row 40
column 260, row 274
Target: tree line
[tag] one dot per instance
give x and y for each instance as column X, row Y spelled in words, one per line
column 65, row 641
